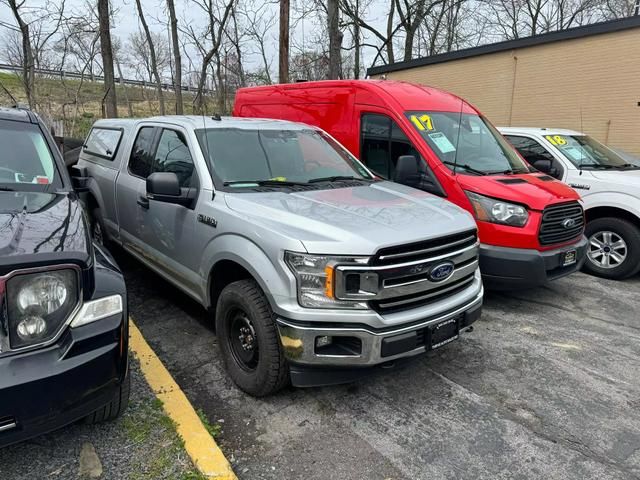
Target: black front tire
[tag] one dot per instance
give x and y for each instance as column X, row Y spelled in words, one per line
column 116, row 407
column 629, row 233
column 268, row 371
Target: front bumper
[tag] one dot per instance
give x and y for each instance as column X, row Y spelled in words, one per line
column 46, row 389
column 378, row 347
column 514, row 268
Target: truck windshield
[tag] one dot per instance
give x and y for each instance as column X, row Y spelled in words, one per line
column 243, row 157
column 467, row 143
column 586, row 152
column 26, row 163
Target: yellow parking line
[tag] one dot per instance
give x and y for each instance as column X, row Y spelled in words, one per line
column 198, row 443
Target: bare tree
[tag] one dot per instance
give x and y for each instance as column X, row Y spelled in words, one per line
column 152, row 56
column 110, row 99
column 259, row 22
column 33, row 38
column 283, row 43
column 209, row 42
column 335, row 39
column 177, row 59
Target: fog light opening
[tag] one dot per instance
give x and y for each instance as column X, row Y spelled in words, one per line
column 338, row 346
column 31, row 327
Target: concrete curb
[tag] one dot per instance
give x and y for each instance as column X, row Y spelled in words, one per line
column 198, row 443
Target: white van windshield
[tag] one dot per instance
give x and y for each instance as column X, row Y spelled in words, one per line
column 467, row 143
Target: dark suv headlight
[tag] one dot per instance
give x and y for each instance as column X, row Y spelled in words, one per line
column 39, row 304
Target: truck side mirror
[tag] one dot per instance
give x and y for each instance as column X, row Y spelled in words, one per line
column 545, row 166
column 407, row 170
column 165, row 187
column 79, row 179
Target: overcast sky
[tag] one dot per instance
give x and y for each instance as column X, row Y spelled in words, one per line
column 126, row 22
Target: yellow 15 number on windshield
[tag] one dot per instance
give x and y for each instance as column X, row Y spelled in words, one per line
column 422, row 122
column 557, row 140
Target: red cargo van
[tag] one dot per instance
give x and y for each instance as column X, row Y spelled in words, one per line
column 530, row 225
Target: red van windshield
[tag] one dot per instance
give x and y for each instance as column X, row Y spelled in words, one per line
column 467, row 142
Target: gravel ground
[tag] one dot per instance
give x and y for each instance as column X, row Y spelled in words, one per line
column 141, row 445
column 546, row 386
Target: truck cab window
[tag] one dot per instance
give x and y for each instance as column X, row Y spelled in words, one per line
column 141, row 155
column 382, row 143
column 172, row 155
column 533, row 152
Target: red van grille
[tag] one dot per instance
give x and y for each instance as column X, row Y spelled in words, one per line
column 561, row 223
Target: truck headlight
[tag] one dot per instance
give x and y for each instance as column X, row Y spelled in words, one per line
column 491, row 210
column 39, row 304
column 315, row 278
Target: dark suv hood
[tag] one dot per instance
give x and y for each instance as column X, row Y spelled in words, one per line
column 41, row 228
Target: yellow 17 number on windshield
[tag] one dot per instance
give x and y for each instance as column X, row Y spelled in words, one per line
column 557, row 140
column 423, row 122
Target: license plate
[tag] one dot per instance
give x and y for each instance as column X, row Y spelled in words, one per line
column 569, row 258
column 444, row 332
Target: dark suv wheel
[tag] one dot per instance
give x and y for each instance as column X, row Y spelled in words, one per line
column 614, row 248
column 249, row 340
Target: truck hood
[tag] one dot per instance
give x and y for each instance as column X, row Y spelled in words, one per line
column 528, row 188
column 37, row 228
column 630, row 178
column 353, row 220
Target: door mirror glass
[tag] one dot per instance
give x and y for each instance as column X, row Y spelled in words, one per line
column 407, row 170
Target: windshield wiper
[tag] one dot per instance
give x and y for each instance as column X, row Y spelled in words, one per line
column 336, row 178
column 466, row 167
column 7, row 189
column 264, row 183
column 596, row 165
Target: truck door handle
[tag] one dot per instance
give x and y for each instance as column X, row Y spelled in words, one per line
column 143, row 201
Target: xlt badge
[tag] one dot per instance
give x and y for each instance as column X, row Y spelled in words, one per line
column 212, row 222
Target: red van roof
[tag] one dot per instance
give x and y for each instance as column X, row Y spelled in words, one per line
column 407, row 96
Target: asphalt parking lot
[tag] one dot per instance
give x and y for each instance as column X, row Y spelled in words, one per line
column 546, row 386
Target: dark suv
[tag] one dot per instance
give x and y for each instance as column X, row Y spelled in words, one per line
column 63, row 304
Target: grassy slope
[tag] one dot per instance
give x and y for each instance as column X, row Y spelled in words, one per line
column 57, row 100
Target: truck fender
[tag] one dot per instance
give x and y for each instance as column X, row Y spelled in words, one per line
column 241, row 250
column 621, row 201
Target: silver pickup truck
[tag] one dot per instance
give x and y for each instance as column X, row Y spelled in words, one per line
column 314, row 270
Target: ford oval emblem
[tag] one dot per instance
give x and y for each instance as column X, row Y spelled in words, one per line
column 441, row 271
column 569, row 223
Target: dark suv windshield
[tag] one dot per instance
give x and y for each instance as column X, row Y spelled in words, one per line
column 586, row 152
column 468, row 141
column 26, row 163
column 241, row 155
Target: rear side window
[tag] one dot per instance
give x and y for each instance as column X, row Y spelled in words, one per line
column 103, row 142
column 141, row 159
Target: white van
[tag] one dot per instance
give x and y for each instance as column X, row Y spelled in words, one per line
column 609, row 186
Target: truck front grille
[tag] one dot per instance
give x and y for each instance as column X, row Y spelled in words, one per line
column 422, row 299
column 404, row 277
column 421, row 250
column 561, row 223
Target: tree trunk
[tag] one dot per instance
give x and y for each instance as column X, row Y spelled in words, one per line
column 28, row 65
column 153, row 59
column 356, row 41
column 390, row 56
column 283, row 63
column 335, row 39
column 177, row 59
column 124, row 89
column 110, row 100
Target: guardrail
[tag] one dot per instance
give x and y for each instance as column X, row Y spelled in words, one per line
column 99, row 78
